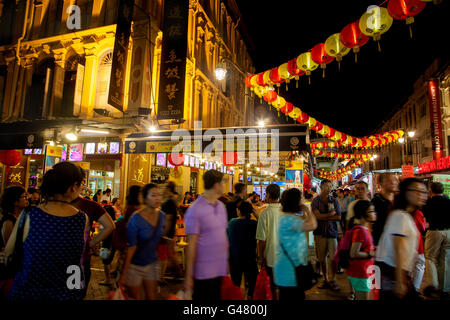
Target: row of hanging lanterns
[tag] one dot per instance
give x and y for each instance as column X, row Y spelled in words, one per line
column 340, row 138
column 372, row 24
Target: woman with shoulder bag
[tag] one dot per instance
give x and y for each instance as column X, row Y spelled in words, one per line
column 292, row 250
column 51, row 239
column 144, row 231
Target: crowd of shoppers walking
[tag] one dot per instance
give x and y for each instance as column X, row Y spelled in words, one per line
column 403, row 231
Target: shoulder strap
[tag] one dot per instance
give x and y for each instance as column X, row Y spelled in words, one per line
column 286, row 254
column 141, row 247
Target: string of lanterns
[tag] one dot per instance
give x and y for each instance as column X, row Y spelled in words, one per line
column 340, row 138
column 339, row 155
column 340, row 173
column 373, row 23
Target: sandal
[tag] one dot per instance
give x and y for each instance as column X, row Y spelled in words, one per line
column 324, row 285
column 334, row 286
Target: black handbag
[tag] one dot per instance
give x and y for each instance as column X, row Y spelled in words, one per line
column 14, row 261
column 305, row 275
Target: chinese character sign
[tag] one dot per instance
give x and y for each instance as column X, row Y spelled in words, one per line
column 173, row 59
column 120, row 53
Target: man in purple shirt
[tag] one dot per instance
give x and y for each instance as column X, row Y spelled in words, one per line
column 206, row 225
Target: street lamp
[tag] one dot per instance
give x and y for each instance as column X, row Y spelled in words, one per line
column 411, row 134
column 401, row 140
column 220, row 72
column 261, row 123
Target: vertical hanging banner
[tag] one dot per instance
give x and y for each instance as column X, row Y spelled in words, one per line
column 434, row 100
column 120, row 54
column 173, row 59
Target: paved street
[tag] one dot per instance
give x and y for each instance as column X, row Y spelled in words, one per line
column 98, row 292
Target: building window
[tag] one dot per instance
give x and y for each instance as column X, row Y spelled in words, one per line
column 103, row 78
column 423, row 109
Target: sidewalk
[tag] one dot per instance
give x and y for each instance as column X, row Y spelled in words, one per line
column 98, row 292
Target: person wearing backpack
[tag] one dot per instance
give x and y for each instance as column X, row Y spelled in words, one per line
column 361, row 250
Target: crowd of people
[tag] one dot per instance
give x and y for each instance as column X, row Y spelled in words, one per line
column 403, row 231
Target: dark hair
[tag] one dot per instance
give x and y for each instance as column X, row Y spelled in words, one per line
column 9, row 198
column 308, row 196
column 273, row 191
column 245, row 209
column 361, row 208
column 364, row 183
column 33, row 190
column 400, row 201
column 133, row 196
column 104, row 201
column 171, row 186
column 238, row 187
column 437, row 188
column 324, row 181
column 290, row 201
column 114, row 201
column 98, row 191
column 58, row 179
column 108, row 190
column 147, row 188
column 384, row 176
column 230, row 194
column 211, row 177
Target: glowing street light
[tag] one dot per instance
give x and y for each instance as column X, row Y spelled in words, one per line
column 152, row 129
column 401, row 140
column 261, row 123
column 220, row 72
column 71, row 136
column 411, row 134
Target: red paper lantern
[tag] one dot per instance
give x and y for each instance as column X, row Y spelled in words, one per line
column 260, row 80
column 325, row 145
column 319, row 56
column 10, row 157
column 303, row 118
column 319, row 126
column 176, row 159
column 294, row 70
column 270, row 96
column 247, row 82
column 405, row 10
column 288, row 107
column 354, row 141
column 331, row 133
column 229, row 158
column 275, row 76
column 352, row 37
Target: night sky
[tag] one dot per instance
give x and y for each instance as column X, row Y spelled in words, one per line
column 359, row 97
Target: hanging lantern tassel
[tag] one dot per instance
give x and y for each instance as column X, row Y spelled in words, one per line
column 339, row 59
column 409, row 22
column 377, row 38
column 323, row 66
column 287, row 84
column 278, row 112
column 296, row 81
column 308, row 74
column 356, row 50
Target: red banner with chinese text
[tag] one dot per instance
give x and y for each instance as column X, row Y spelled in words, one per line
column 435, row 118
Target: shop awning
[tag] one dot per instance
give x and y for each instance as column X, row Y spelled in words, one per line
column 28, row 134
column 286, row 137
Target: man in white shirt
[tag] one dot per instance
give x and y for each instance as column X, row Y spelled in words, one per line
column 267, row 232
column 106, row 196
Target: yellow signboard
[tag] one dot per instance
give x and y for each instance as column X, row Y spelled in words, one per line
column 83, row 165
column 54, row 151
column 294, row 165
